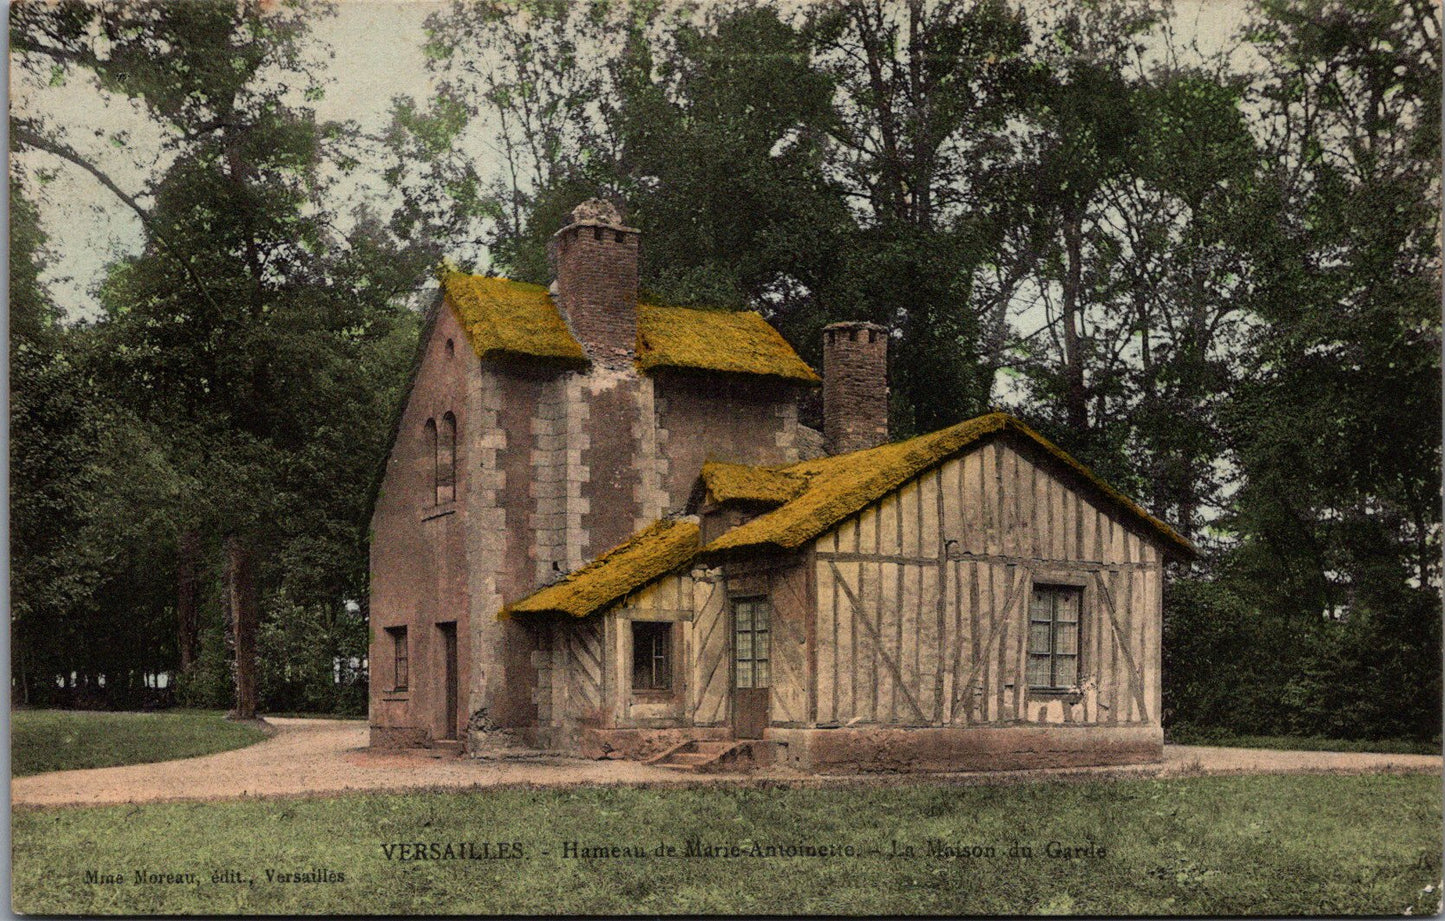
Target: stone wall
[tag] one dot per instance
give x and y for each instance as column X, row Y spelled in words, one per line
column 419, row 547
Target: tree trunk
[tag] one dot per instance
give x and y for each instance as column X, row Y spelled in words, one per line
column 241, row 591
column 1075, row 395
column 187, row 599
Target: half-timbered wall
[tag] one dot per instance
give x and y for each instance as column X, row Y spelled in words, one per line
column 923, row 601
column 590, row 678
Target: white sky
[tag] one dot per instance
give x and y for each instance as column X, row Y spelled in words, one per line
column 377, row 56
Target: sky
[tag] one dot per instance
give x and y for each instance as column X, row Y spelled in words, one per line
column 377, row 56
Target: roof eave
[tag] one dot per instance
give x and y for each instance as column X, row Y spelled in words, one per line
column 655, row 366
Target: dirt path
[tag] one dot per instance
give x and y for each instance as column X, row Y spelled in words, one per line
column 328, row 757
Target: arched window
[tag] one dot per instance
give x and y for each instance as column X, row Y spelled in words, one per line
column 447, row 460
column 431, row 445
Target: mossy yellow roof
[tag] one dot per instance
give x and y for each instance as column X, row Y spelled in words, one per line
column 715, row 340
column 741, row 483
column 649, row 554
column 837, row 487
column 509, row 319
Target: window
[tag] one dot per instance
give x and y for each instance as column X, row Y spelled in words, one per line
column 651, row 656
column 441, row 441
column 447, row 460
column 430, row 439
column 1054, row 637
column 751, row 647
column 400, row 670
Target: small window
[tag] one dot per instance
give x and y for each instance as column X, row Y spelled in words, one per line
column 446, row 455
column 651, row 656
column 1054, row 612
column 451, row 349
column 401, row 671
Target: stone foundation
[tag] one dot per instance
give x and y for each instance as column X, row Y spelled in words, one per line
column 924, row 750
column 392, row 737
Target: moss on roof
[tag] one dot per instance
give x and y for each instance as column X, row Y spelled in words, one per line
column 715, row 340
column 739, row 482
column 840, row 486
column 504, row 318
column 649, row 554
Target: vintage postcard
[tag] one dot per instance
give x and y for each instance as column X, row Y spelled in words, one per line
column 612, row 457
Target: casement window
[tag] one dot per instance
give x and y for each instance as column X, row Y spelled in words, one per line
column 752, row 642
column 651, row 656
column 400, row 667
column 1054, row 616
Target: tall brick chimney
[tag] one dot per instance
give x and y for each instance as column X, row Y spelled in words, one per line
column 595, row 261
column 855, row 387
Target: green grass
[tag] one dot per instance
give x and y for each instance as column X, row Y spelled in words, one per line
column 1303, row 743
column 1321, row 845
column 62, row 740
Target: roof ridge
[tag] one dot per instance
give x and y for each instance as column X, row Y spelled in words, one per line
column 832, row 494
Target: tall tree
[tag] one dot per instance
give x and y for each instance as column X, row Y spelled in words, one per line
column 922, row 156
column 1337, row 425
column 261, row 339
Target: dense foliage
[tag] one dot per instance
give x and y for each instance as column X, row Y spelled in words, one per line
column 1212, row 275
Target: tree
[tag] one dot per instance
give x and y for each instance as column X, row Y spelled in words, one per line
column 1337, row 424
column 260, row 340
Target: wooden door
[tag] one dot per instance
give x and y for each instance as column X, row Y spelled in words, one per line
column 752, row 666
column 449, row 643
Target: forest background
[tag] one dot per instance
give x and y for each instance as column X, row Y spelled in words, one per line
column 1209, row 269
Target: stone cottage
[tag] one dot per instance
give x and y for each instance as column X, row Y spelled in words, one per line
column 602, row 529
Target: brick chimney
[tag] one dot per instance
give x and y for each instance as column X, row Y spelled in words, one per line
column 595, row 261
column 855, row 387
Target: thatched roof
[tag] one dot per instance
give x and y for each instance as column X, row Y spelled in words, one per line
column 509, row 319
column 810, row 498
column 837, row 487
column 513, row 320
column 649, row 554
column 741, row 483
column 715, row 340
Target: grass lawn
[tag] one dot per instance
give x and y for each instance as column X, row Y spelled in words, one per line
column 62, row 740
column 1321, row 845
column 1305, row 743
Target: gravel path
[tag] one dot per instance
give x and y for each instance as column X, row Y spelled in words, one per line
column 328, row 757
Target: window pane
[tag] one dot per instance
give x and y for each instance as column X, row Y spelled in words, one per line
column 651, row 649
column 745, row 615
column 745, row 674
column 1066, row 671
column 1066, row 638
column 760, row 674
column 1039, row 671
column 760, row 616
column 1039, row 638
column 1039, row 605
column 1069, row 605
column 745, row 646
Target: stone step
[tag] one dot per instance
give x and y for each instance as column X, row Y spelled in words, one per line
column 712, row 747
column 691, row 758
